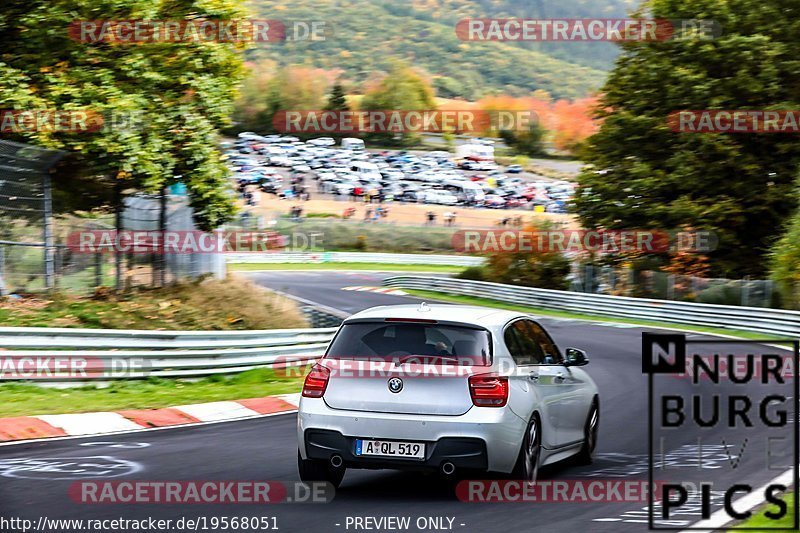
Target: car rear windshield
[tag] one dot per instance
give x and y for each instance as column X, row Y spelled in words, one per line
column 400, row 341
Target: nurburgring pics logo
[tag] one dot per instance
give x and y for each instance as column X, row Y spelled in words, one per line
column 403, row 121
column 736, row 400
column 734, row 121
column 588, row 30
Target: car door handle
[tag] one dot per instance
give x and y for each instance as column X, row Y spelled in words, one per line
column 533, row 376
column 560, row 377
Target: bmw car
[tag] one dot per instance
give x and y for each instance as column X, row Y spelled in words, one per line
column 447, row 388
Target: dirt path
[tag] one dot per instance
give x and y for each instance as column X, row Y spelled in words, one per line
column 407, row 214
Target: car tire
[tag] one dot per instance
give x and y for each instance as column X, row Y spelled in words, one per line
column 311, row 470
column 585, row 456
column 527, row 467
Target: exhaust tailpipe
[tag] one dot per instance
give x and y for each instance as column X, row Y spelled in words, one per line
column 336, row 461
column 448, row 468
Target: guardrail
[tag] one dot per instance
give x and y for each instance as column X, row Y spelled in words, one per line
column 113, row 354
column 756, row 319
column 354, row 257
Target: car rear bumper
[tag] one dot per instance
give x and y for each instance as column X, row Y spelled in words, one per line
column 463, row 452
column 483, row 438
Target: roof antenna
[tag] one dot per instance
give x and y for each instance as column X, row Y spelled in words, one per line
column 423, row 307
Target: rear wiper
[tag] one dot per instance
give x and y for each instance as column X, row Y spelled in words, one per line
column 407, row 358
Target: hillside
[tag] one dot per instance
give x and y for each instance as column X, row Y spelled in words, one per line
column 368, row 34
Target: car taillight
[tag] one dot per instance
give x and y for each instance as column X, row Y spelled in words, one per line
column 316, row 382
column 488, row 390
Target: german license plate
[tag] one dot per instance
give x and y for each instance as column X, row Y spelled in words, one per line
column 390, row 448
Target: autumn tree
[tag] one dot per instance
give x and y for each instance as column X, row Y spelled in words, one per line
column 251, row 111
column 547, row 269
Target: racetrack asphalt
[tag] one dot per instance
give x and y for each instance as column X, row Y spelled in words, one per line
column 265, row 449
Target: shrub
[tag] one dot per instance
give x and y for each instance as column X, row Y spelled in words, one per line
column 785, row 264
column 473, row 273
column 722, row 294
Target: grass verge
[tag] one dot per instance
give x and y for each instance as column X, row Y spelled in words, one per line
column 487, row 302
column 204, row 305
column 761, row 521
column 344, row 266
column 27, row 399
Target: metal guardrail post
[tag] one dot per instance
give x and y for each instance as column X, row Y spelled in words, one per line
column 117, row 230
column 98, row 268
column 49, row 249
column 3, row 288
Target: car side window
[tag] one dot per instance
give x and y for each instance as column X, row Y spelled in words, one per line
column 548, row 349
column 510, row 339
column 522, row 345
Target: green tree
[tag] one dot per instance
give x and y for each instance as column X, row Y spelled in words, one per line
column 529, row 142
column 337, row 101
column 642, row 174
column 163, row 103
column 403, row 88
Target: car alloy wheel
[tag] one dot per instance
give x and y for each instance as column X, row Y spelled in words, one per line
column 526, row 468
column 590, row 435
column 532, row 447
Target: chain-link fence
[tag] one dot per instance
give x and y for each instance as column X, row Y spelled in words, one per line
column 149, row 263
column 41, row 250
column 27, row 248
column 664, row 286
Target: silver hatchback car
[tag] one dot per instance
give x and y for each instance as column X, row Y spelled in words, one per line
column 447, row 388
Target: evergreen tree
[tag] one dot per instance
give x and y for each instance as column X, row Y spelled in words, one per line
column 337, row 101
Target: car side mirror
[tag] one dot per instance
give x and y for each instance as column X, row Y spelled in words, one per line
column 575, row 357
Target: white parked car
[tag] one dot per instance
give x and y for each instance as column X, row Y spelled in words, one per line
column 322, row 141
column 343, row 188
column 280, row 161
column 445, row 387
column 440, row 197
